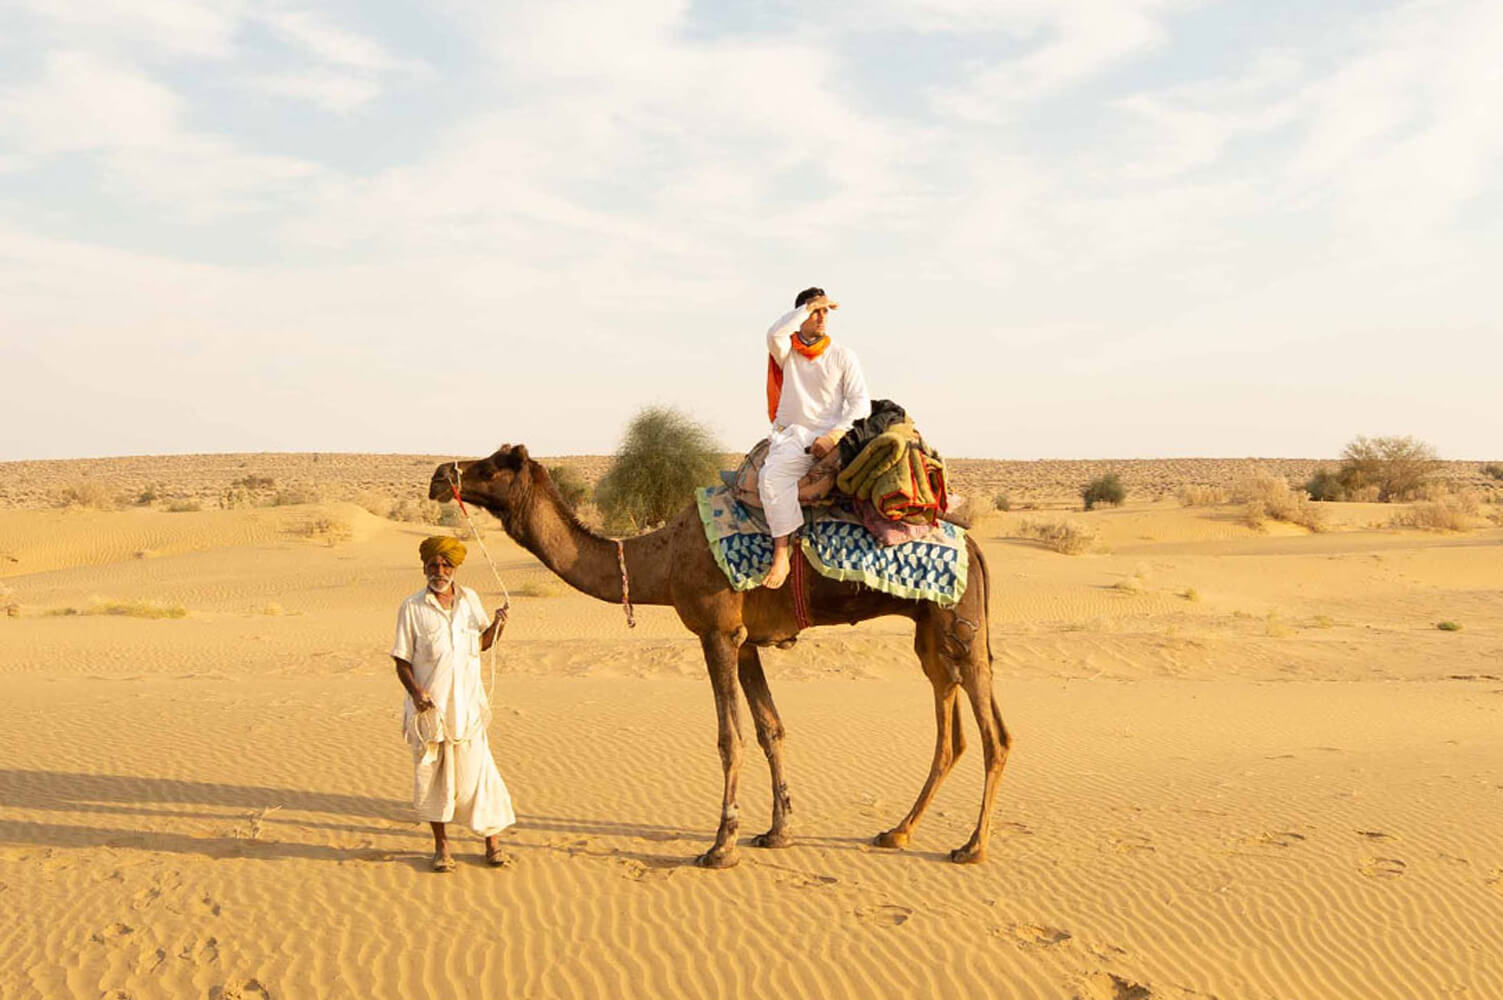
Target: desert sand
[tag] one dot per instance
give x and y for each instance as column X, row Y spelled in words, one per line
column 1246, row 764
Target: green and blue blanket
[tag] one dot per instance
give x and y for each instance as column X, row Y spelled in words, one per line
column 838, row 546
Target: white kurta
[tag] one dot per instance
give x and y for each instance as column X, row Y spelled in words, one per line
column 823, row 395
column 456, row 779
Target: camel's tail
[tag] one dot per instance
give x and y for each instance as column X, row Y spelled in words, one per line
column 986, row 598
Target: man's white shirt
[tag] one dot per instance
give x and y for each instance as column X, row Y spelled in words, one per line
column 444, row 650
column 824, row 395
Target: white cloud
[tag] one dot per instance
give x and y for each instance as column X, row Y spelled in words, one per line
column 204, row 28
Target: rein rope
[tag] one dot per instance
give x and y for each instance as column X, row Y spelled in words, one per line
column 505, row 594
column 631, row 618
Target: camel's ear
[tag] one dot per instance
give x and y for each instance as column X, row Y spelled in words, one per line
column 520, row 453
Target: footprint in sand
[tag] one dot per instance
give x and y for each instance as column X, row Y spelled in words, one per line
column 1133, row 843
column 1382, row 867
column 199, row 952
column 639, row 871
column 1278, row 838
column 114, row 932
column 1376, row 835
column 884, row 914
column 1495, row 880
column 1030, row 936
column 1108, row 986
column 807, row 880
column 250, row 989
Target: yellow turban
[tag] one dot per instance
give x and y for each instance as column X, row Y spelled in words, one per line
column 451, row 549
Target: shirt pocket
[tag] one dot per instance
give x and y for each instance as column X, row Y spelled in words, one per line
column 435, row 637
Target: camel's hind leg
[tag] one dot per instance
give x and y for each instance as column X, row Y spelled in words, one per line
column 720, row 657
column 949, row 739
column 977, row 680
column 770, row 735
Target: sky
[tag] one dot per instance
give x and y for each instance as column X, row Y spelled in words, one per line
column 1056, row 228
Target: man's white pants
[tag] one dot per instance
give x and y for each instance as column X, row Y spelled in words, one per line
column 462, row 785
column 787, row 461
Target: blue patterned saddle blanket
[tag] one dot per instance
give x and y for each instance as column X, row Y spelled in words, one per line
column 838, row 546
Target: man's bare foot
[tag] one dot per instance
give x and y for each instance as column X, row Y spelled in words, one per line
column 494, row 856
column 779, row 572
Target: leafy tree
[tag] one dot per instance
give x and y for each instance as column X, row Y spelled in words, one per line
column 1103, row 489
column 663, row 457
column 571, row 485
column 1397, row 466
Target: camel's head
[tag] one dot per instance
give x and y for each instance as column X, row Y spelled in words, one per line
column 498, row 483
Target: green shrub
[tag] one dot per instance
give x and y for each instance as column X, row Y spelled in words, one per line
column 1493, row 470
column 1326, row 485
column 571, row 485
column 1002, row 501
column 1103, row 489
column 663, row 457
column 1448, row 626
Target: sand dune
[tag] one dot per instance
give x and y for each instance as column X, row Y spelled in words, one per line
column 1288, row 785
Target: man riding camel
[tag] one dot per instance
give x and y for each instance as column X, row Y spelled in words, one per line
column 815, row 392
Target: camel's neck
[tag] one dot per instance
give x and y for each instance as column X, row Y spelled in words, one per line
column 586, row 561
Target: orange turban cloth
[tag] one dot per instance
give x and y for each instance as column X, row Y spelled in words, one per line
column 451, row 549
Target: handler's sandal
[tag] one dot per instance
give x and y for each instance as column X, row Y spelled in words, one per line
column 499, row 859
column 443, row 863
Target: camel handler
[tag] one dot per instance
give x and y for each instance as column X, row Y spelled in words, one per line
column 815, row 391
column 441, row 631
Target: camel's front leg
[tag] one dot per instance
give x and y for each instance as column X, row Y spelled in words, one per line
column 720, row 657
column 770, row 735
column 949, row 744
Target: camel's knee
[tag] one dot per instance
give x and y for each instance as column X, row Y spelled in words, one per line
column 770, row 737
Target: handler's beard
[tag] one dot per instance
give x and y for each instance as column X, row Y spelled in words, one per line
column 439, row 585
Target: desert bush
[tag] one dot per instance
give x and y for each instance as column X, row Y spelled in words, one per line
column 148, row 496
column 1201, row 496
column 451, row 517
column 1268, row 497
column 1397, row 466
column 1001, row 501
column 1061, row 536
column 1493, row 470
column 235, row 497
column 254, row 482
column 1445, row 512
column 571, row 485
column 1106, row 489
column 291, row 496
column 417, row 511
column 1326, row 485
column 1448, row 626
column 663, row 457
column 539, row 588
column 85, row 493
column 183, row 506
column 324, row 528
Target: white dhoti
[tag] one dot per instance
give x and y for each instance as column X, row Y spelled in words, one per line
column 787, row 461
column 462, row 785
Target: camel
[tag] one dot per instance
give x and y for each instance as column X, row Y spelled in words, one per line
column 673, row 566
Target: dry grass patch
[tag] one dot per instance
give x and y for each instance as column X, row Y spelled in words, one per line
column 323, row 528
column 1190, row 594
column 1202, row 496
column 1268, row 498
column 1444, row 512
column 183, row 506
column 87, row 494
column 124, row 609
column 540, row 588
column 1060, row 536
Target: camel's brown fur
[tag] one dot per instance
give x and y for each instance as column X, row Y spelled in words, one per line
column 673, row 566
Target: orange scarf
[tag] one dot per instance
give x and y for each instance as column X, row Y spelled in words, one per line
column 775, row 370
